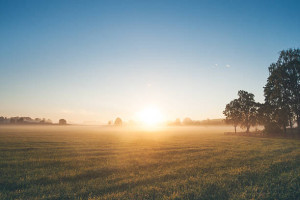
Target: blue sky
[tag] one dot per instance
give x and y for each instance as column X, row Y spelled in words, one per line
column 95, row 60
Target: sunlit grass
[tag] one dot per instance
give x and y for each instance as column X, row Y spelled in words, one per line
column 169, row 163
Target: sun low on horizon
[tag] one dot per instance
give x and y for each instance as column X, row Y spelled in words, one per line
column 150, row 116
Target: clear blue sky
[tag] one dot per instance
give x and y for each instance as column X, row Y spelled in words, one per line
column 95, row 60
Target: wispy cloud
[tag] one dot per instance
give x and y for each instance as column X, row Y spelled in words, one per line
column 227, row 66
column 215, row 66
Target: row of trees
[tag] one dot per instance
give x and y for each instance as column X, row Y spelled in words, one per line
column 281, row 108
column 24, row 120
column 28, row 120
column 189, row 122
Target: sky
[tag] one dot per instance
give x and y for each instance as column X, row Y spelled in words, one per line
column 92, row 61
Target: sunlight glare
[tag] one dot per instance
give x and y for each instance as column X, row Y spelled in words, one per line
column 150, row 116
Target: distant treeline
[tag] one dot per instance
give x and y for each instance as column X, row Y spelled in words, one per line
column 29, row 120
column 189, row 122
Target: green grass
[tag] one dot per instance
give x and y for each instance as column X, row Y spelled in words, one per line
column 174, row 163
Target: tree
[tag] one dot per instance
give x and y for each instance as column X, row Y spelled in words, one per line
column 266, row 117
column 21, row 120
column 177, row 122
column 242, row 111
column 248, row 109
column 187, row 121
column 118, row 121
column 62, row 122
column 13, row 120
column 282, row 91
column 232, row 113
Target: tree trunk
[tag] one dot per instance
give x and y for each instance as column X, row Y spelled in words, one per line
column 298, row 124
column 235, row 129
column 248, row 128
column 284, row 128
column 291, row 124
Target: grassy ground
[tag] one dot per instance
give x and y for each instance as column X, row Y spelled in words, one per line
column 174, row 163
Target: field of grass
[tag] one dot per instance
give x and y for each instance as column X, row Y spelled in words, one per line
column 77, row 162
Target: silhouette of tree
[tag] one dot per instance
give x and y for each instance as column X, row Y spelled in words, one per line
column 266, row 118
column 20, row 120
column 13, row 120
column 282, row 91
column 62, row 122
column 187, row 121
column 248, row 109
column 118, row 121
column 233, row 113
column 37, row 119
column 242, row 111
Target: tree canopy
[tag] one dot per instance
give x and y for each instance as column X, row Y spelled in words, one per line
column 242, row 111
column 232, row 113
column 118, row 121
column 282, row 98
column 282, row 90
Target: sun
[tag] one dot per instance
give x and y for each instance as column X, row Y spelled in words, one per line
column 150, row 116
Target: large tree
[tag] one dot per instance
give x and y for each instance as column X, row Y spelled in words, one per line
column 242, row 111
column 248, row 109
column 282, row 91
column 232, row 113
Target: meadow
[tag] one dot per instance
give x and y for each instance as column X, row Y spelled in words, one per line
column 84, row 162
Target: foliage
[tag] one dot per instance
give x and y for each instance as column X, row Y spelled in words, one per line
column 118, row 121
column 282, row 91
column 233, row 113
column 248, row 109
column 282, row 98
column 62, row 122
column 188, row 121
column 23, row 120
column 242, row 111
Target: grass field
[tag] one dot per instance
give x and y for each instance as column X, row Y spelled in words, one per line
column 77, row 162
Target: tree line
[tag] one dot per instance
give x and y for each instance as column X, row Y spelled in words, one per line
column 189, row 122
column 281, row 109
column 29, row 120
